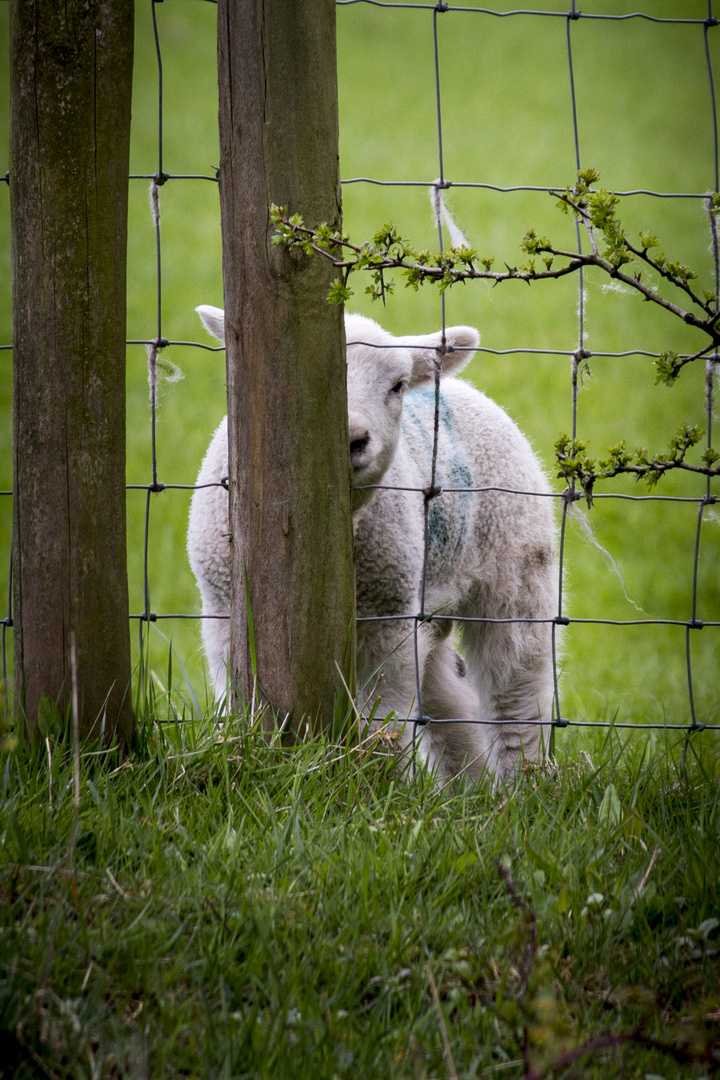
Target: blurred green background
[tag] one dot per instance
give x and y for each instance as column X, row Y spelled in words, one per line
column 644, row 121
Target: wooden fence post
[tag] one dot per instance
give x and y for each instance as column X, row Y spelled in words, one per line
column 290, row 485
column 71, row 75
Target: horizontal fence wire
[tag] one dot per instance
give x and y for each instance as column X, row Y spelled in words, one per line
column 157, row 343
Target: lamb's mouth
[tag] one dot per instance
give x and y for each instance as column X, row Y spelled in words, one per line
column 361, row 476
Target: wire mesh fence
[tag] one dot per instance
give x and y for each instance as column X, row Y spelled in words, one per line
column 456, row 44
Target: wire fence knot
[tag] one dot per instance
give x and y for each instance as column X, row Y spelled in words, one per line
column 431, row 492
column 571, row 495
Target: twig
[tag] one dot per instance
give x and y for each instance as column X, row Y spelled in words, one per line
column 351, row 699
column 531, row 947
column 118, row 888
column 633, row 282
column 76, row 736
column 568, row 1057
column 502, row 1066
column 641, row 887
column 62, row 870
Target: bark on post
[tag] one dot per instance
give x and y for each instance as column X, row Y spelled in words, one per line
column 290, row 515
column 71, row 73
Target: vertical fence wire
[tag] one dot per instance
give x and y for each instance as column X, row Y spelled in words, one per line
column 695, row 624
column 570, row 494
column 154, row 347
column 431, row 491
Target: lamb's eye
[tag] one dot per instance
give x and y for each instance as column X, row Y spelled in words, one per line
column 397, row 387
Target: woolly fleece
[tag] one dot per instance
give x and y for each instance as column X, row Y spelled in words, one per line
column 490, row 554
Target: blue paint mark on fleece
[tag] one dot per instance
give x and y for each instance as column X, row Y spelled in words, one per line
column 447, row 517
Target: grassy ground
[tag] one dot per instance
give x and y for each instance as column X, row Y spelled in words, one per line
column 218, row 908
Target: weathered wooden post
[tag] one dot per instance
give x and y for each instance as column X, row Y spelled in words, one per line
column 290, row 516
column 71, row 75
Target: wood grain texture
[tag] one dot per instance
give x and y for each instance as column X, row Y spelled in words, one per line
column 290, row 480
column 71, row 74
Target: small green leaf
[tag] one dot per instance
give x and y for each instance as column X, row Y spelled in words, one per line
column 465, row 861
column 339, row 293
column 632, row 823
column 667, row 368
column 588, row 177
column 20, row 841
column 610, row 812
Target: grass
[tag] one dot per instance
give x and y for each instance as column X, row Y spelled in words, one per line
column 216, row 906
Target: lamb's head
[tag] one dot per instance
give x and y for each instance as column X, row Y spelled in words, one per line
column 380, row 368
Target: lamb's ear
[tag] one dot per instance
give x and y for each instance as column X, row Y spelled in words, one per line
column 213, row 319
column 460, row 341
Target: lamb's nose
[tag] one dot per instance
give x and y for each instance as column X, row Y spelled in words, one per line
column 358, row 445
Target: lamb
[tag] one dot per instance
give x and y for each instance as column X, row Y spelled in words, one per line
column 490, row 555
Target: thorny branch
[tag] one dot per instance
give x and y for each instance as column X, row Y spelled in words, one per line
column 543, row 1027
column 596, row 210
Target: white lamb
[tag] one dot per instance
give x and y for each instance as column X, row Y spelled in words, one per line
column 491, row 555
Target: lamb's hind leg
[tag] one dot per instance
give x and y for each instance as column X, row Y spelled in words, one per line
column 454, row 749
column 511, row 666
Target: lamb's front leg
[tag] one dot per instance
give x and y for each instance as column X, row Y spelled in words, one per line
column 390, row 667
column 456, row 749
column 216, row 639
